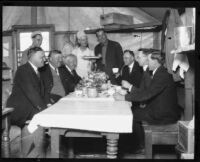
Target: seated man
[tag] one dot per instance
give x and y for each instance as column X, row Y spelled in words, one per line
column 27, row 99
column 162, row 107
column 51, row 78
column 142, row 59
column 131, row 73
column 68, row 73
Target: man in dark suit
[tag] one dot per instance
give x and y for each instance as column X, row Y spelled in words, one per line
column 27, row 99
column 131, row 73
column 68, row 73
column 162, row 107
column 111, row 54
column 51, row 77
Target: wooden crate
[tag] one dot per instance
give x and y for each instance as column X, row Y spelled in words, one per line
column 116, row 18
column 186, row 136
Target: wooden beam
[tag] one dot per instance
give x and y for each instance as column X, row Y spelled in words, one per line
column 143, row 16
column 33, row 15
column 7, row 33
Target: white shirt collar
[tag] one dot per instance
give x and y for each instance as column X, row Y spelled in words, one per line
column 145, row 67
column 131, row 66
column 33, row 66
column 154, row 71
column 68, row 69
column 52, row 66
column 56, row 69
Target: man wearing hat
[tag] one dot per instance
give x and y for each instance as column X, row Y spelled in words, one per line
column 36, row 37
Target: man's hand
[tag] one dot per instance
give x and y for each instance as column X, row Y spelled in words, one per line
column 117, row 75
column 126, row 84
column 118, row 97
column 48, row 105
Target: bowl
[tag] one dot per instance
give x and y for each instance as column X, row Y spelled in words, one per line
column 92, row 92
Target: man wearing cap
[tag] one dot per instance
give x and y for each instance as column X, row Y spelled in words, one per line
column 111, row 54
column 37, row 38
column 27, row 99
column 82, row 51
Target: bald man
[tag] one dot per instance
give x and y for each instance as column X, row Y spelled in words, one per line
column 27, row 99
column 68, row 73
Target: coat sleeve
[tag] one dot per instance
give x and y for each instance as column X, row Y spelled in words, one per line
column 138, row 77
column 157, row 86
column 25, row 83
column 119, row 55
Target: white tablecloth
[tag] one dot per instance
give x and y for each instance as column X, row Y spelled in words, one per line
column 92, row 114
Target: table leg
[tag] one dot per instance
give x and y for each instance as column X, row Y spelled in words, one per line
column 112, row 145
column 71, row 148
column 5, row 139
column 55, row 143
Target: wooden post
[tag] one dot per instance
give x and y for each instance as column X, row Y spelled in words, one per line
column 33, row 15
column 189, row 75
column 156, row 40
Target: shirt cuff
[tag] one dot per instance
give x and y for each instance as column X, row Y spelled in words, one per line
column 130, row 88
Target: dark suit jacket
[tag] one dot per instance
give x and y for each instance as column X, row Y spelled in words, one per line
column 134, row 77
column 47, row 78
column 27, row 97
column 114, row 58
column 69, row 81
column 162, row 107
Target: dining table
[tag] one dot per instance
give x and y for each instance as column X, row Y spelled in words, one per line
column 82, row 116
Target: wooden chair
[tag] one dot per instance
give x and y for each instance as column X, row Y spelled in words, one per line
column 159, row 135
column 162, row 134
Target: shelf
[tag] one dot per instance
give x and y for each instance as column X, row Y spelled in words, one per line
column 143, row 27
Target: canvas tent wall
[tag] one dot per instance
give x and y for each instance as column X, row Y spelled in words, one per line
column 80, row 18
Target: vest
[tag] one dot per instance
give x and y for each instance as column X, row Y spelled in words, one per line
column 58, row 88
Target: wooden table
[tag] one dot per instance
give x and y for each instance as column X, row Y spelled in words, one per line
column 85, row 117
column 5, row 134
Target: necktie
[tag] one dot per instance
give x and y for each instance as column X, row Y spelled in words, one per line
column 150, row 72
column 56, row 69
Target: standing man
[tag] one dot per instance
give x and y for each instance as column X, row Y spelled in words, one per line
column 27, row 99
column 51, row 77
column 111, row 54
column 131, row 73
column 68, row 45
column 162, row 107
column 68, row 73
column 37, row 38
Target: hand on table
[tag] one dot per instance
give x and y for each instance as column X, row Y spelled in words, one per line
column 117, row 75
column 126, row 84
column 48, row 105
column 118, row 97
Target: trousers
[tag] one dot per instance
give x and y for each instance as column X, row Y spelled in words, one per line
column 34, row 144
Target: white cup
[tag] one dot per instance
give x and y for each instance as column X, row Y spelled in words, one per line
column 115, row 70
